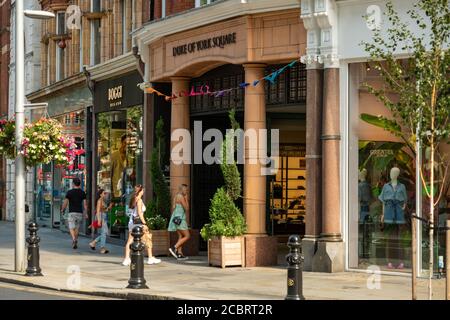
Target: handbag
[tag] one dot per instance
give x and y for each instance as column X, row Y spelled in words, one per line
column 137, row 220
column 177, row 220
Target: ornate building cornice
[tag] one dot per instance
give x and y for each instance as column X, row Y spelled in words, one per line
column 320, row 20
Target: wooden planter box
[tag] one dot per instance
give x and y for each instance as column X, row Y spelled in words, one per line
column 160, row 242
column 224, row 252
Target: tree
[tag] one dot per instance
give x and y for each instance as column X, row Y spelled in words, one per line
column 226, row 218
column 160, row 204
column 421, row 108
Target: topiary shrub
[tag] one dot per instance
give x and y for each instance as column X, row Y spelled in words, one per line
column 226, row 218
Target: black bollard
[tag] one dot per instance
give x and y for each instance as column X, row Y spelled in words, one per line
column 137, row 280
column 295, row 269
column 33, row 240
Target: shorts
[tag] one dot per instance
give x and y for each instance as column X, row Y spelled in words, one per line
column 393, row 212
column 75, row 219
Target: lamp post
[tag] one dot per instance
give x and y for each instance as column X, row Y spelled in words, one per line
column 20, row 121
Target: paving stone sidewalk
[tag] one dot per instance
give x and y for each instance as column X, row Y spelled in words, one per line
column 192, row 279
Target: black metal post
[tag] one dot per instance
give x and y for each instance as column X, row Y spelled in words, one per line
column 33, row 240
column 137, row 280
column 295, row 269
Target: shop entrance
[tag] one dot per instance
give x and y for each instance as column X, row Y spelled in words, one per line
column 206, row 179
column 286, row 111
column 287, row 188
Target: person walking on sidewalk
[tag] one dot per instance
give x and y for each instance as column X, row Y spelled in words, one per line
column 101, row 214
column 137, row 209
column 178, row 222
column 76, row 200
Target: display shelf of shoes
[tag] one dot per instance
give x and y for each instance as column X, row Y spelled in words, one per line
column 291, row 179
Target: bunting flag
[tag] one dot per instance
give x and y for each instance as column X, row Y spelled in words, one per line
column 205, row 90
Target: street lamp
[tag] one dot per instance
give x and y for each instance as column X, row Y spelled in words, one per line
column 20, row 121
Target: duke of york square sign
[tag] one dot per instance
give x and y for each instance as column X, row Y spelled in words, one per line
column 215, row 42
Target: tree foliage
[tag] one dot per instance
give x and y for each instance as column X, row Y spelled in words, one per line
column 159, row 205
column 226, row 218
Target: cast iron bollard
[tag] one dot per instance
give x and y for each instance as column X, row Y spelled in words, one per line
column 33, row 240
column 295, row 269
column 137, row 280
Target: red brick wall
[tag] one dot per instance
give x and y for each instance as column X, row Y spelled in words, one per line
column 157, row 9
column 5, row 23
column 146, row 10
column 173, row 7
column 5, row 12
column 177, row 6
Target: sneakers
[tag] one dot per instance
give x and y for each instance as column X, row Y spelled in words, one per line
column 173, row 251
column 390, row 266
column 126, row 262
column 104, row 251
column 92, row 245
column 153, row 260
column 181, row 257
column 401, row 266
column 75, row 244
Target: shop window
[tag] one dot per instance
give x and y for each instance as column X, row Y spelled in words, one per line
column 287, row 200
column 119, row 161
column 382, row 187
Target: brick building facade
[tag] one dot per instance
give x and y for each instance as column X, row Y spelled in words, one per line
column 5, row 27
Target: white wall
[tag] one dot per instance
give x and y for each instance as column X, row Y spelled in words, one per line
column 32, row 83
column 352, row 27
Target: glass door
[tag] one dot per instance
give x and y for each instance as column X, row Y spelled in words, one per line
column 44, row 195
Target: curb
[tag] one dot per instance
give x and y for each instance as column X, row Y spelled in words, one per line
column 115, row 295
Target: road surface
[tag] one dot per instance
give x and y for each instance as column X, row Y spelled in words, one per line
column 16, row 292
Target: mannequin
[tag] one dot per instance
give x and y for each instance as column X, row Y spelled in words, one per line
column 394, row 197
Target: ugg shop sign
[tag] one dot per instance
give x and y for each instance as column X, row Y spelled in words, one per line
column 215, row 42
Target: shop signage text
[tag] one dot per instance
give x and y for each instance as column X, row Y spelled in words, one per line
column 118, row 93
column 215, row 42
column 115, row 94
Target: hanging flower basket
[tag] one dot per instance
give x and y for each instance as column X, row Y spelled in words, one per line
column 7, row 138
column 43, row 143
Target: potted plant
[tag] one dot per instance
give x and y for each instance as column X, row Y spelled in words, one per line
column 158, row 228
column 226, row 246
column 43, row 142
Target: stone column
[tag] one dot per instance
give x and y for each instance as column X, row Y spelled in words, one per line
column 330, row 252
column 314, row 105
column 180, row 119
column 254, row 182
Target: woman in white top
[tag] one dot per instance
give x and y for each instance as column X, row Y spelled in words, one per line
column 137, row 208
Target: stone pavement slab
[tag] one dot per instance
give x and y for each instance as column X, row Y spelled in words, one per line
column 103, row 275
